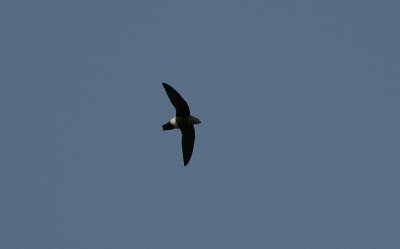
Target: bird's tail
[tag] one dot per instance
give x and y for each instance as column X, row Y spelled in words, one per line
column 168, row 126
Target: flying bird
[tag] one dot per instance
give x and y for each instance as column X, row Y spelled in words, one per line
column 183, row 121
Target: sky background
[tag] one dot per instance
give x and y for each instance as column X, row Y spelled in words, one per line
column 299, row 145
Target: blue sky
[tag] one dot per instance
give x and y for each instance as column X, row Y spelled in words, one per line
column 299, row 145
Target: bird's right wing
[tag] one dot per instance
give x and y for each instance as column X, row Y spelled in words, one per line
column 188, row 137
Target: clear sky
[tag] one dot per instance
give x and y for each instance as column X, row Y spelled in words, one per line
column 299, row 145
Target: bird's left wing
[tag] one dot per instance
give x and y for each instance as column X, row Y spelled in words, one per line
column 181, row 107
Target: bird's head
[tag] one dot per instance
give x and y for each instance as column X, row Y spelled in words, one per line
column 195, row 120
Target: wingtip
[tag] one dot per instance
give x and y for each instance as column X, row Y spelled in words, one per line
column 166, row 86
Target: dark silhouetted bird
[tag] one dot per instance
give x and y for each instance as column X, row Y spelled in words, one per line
column 183, row 121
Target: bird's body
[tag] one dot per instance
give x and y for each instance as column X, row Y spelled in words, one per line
column 183, row 121
column 178, row 122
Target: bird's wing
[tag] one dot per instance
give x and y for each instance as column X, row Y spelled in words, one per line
column 181, row 107
column 188, row 136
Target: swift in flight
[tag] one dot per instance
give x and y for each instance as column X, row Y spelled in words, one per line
column 183, row 121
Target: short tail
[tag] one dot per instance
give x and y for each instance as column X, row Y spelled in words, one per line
column 168, row 126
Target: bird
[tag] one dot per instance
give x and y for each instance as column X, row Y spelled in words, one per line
column 183, row 121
